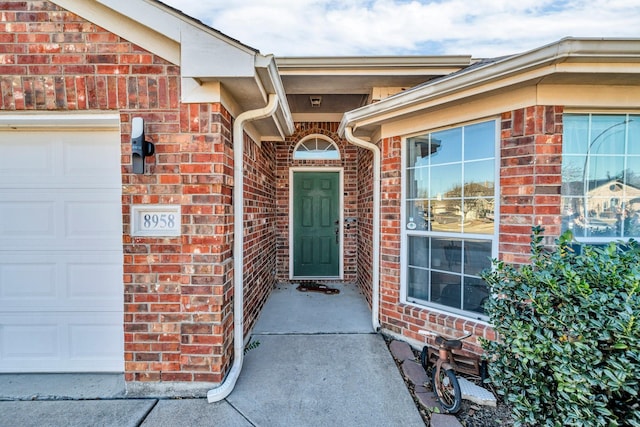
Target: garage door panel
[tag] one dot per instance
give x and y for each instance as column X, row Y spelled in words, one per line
column 61, row 289
column 27, row 281
column 86, row 160
column 51, row 159
column 88, row 217
column 86, row 282
column 26, row 159
column 35, row 340
column 58, row 342
column 89, row 220
column 91, row 341
column 25, row 218
column 61, row 281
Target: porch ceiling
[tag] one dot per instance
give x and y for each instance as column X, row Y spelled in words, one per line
column 345, row 83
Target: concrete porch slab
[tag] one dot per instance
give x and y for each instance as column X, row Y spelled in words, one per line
column 61, row 386
column 194, row 412
column 75, row 413
column 321, row 380
column 289, row 311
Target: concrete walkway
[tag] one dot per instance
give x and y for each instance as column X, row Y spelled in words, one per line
column 318, row 364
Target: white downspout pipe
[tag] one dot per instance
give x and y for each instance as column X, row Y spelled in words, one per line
column 375, row 276
column 224, row 389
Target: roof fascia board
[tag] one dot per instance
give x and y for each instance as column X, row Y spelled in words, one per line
column 168, row 21
column 431, row 71
column 368, row 62
column 268, row 71
column 519, row 68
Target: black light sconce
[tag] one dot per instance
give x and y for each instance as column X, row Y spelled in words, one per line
column 140, row 148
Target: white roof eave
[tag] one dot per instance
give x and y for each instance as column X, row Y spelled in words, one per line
column 509, row 67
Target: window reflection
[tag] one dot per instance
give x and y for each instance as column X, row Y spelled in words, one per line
column 445, row 180
column 477, row 256
column 449, row 147
column 601, row 176
column 418, row 251
column 447, row 215
column 479, row 216
column 476, row 294
column 418, row 283
column 475, row 137
column 446, row 289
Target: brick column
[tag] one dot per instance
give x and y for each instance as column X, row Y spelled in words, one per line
column 178, row 291
column 530, row 178
column 391, row 316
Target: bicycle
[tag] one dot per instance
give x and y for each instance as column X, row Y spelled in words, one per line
column 443, row 378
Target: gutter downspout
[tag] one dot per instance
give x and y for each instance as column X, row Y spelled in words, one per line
column 375, row 279
column 224, row 389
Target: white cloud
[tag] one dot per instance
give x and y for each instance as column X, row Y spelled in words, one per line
column 482, row 28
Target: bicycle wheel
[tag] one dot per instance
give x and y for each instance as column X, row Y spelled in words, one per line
column 447, row 389
column 424, row 357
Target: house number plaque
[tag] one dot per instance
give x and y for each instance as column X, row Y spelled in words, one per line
column 155, row 220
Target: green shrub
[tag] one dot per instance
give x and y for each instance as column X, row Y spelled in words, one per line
column 568, row 351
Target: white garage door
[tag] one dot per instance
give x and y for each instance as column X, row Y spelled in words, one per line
column 61, row 292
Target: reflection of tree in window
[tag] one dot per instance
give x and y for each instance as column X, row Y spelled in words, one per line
column 600, row 174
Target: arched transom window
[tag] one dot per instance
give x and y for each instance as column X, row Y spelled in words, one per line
column 316, row 147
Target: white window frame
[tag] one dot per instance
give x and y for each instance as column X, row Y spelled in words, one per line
column 317, row 136
column 405, row 233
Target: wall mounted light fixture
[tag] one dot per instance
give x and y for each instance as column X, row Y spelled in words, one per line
column 315, row 101
column 140, row 148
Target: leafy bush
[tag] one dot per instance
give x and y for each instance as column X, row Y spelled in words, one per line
column 568, row 351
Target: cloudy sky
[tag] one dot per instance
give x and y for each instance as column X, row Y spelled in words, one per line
column 481, row 28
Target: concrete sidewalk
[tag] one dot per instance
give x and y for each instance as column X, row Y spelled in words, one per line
column 318, row 364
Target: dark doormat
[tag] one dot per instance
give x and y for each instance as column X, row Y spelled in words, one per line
column 317, row 287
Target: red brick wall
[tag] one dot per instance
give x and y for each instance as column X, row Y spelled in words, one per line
column 348, row 161
column 391, row 317
column 178, row 291
column 259, row 228
column 365, row 222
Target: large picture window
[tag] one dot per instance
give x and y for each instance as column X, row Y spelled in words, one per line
column 601, row 176
column 450, row 208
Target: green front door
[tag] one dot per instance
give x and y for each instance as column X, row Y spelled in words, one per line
column 316, row 224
